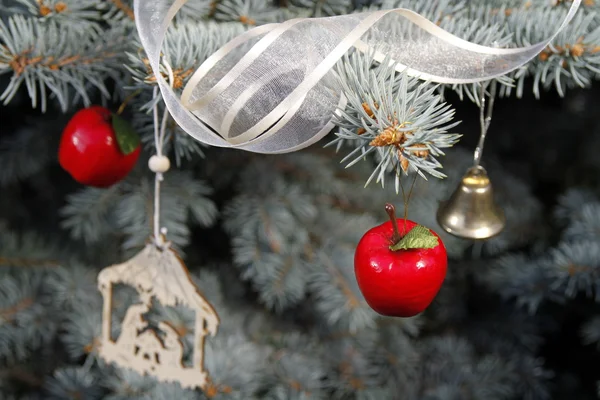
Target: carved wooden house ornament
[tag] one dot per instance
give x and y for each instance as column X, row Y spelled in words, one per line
column 161, row 275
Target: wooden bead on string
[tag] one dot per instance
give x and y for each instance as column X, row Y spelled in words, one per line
column 159, row 164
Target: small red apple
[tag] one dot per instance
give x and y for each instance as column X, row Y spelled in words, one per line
column 399, row 275
column 98, row 148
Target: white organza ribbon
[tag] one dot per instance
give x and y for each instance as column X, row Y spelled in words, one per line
column 272, row 90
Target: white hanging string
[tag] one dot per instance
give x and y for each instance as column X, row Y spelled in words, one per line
column 159, row 164
column 273, row 90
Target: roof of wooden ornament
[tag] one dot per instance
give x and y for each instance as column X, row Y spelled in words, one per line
column 161, row 273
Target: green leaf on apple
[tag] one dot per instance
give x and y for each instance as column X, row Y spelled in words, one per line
column 127, row 138
column 418, row 237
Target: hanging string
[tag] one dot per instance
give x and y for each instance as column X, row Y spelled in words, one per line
column 159, row 163
column 485, row 119
column 405, row 198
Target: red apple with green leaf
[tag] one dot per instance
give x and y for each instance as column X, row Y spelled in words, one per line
column 98, row 148
column 400, row 272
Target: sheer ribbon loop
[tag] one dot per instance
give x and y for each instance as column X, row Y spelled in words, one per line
column 273, row 88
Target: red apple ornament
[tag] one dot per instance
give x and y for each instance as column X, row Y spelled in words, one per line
column 399, row 275
column 98, row 148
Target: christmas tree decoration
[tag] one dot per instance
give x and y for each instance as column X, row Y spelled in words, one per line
column 156, row 274
column 471, row 212
column 263, row 100
column 235, row 275
column 98, row 148
column 400, row 271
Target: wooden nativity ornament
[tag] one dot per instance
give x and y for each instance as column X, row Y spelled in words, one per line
column 156, row 273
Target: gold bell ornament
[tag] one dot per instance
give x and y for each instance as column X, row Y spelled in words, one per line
column 471, row 212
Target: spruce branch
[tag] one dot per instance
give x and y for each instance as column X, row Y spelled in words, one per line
column 269, row 240
column 515, row 276
column 56, row 60
column 297, row 375
column 396, row 116
column 454, row 367
column 177, row 142
column 125, row 384
column 248, row 12
column 172, row 390
column 437, row 11
column 569, row 205
column 96, row 214
column 590, row 332
column 352, row 371
column 506, row 331
column 392, row 354
column 79, row 13
column 196, row 10
column 81, row 331
column 184, row 200
column 122, row 10
column 324, row 8
column 89, row 214
column 573, row 58
column 26, row 250
column 535, row 378
column 199, row 39
column 72, row 383
column 336, row 292
column 479, row 24
column 26, row 316
column 239, row 379
column 73, row 285
column 575, row 268
column 523, row 212
column 119, row 9
column 585, row 224
column 16, row 163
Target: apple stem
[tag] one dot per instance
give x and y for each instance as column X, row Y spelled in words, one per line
column 391, row 212
column 130, row 97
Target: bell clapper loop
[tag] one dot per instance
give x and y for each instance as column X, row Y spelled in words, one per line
column 471, row 212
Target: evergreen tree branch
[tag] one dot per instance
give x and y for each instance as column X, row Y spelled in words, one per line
column 56, row 60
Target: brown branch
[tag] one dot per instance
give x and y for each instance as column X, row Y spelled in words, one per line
column 22, row 60
column 124, row 8
column 247, row 20
column 353, row 301
column 22, row 375
column 587, row 3
column 574, row 269
column 212, row 389
column 46, row 10
column 576, row 50
column 347, row 371
column 294, row 384
column 27, row 262
column 7, row 313
column 284, row 272
column 179, row 74
column 92, row 346
column 273, row 244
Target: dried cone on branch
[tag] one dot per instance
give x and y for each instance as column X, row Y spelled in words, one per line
column 392, row 136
